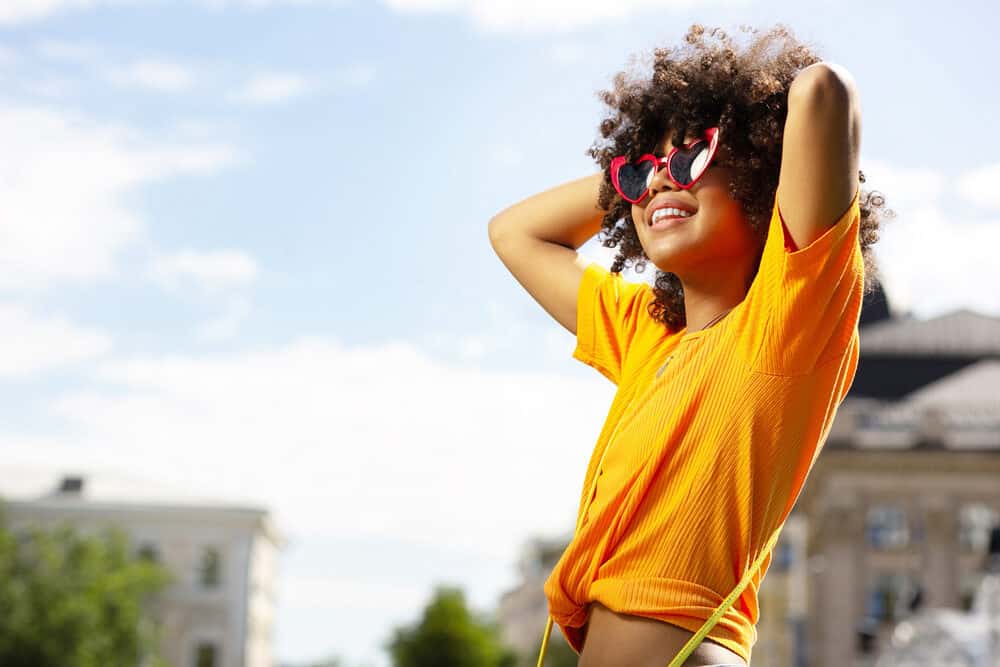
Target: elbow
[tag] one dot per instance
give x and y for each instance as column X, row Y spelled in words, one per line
column 827, row 95
column 495, row 230
column 825, row 84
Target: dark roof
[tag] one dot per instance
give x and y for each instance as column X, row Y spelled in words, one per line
column 875, row 307
column 962, row 332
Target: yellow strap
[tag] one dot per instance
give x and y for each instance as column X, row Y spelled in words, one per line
column 726, row 604
column 545, row 642
column 696, row 639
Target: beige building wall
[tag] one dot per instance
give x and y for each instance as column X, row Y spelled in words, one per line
column 935, row 548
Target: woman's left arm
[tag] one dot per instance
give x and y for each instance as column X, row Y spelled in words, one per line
column 819, row 158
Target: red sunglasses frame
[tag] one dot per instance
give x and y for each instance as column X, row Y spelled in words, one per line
column 711, row 136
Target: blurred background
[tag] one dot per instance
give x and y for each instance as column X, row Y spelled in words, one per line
column 250, row 317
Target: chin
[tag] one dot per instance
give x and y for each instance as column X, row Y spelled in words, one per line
column 665, row 258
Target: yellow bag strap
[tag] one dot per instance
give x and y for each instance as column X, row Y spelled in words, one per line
column 695, row 640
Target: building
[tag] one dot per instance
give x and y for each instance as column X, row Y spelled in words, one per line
column 941, row 636
column 896, row 513
column 901, row 502
column 219, row 611
column 523, row 611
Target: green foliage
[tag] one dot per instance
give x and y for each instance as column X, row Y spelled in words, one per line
column 559, row 653
column 75, row 600
column 449, row 635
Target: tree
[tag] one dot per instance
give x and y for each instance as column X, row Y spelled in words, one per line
column 449, row 635
column 74, row 600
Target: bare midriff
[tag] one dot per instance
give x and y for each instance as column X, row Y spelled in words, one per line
column 625, row 640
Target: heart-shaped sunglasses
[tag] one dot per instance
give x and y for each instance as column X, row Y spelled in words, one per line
column 685, row 165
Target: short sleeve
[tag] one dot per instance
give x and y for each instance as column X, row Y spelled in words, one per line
column 610, row 311
column 804, row 305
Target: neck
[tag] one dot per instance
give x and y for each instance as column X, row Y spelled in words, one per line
column 708, row 297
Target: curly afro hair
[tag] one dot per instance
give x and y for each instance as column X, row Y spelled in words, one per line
column 710, row 81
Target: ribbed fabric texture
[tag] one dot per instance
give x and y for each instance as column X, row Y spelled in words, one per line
column 705, row 462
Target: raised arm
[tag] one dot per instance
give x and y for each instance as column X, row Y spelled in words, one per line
column 819, row 155
column 537, row 238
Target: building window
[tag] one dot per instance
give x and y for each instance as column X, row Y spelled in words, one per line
column 206, row 655
column 210, row 568
column 975, row 520
column 148, row 552
column 893, row 597
column 968, row 588
column 886, row 527
column 783, row 556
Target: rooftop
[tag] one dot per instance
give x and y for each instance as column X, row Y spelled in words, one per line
column 962, row 332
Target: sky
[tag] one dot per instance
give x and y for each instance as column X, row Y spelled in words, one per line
column 243, row 249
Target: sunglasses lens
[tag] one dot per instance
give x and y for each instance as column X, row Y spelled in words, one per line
column 699, row 163
column 688, row 164
column 634, row 178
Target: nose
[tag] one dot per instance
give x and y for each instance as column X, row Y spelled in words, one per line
column 661, row 182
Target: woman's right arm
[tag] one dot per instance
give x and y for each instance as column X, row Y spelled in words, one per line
column 537, row 238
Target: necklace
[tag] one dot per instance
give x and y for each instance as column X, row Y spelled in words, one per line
column 716, row 318
column 713, row 321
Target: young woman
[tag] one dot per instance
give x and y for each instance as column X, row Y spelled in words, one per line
column 734, row 170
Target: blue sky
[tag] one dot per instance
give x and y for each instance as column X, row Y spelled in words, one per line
column 244, row 250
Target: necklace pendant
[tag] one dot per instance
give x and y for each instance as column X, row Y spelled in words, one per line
column 660, row 372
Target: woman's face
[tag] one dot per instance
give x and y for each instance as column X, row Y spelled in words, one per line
column 717, row 231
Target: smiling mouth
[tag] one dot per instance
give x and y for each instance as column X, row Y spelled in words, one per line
column 669, row 221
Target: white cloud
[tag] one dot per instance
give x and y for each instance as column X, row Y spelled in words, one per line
column 271, row 88
column 558, row 16
column 63, row 181
column 79, row 53
column 17, row 11
column 360, row 74
column 428, row 452
column 512, row 16
column 30, row 343
column 262, row 4
column 211, row 272
column 23, row 11
column 934, row 256
column 51, row 87
column 227, row 325
column 904, row 187
column 942, row 262
column 157, row 75
column 315, row 592
column 507, row 331
column 980, row 187
column 8, row 56
column 214, row 274
column 154, row 74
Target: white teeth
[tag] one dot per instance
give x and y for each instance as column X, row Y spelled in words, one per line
column 661, row 212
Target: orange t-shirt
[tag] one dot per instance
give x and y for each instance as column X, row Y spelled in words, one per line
column 705, row 462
